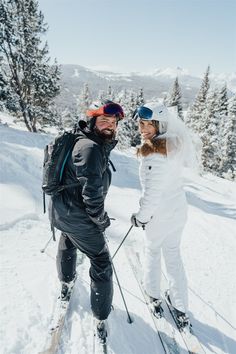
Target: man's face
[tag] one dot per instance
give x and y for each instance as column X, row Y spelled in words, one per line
column 106, row 126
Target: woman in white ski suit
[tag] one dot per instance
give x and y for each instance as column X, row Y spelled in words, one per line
column 163, row 208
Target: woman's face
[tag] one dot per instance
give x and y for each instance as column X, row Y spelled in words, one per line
column 146, row 129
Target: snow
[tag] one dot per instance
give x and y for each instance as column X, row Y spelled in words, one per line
column 76, row 72
column 29, row 284
column 171, row 72
column 223, row 78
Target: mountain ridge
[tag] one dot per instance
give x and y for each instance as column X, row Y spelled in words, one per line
column 155, row 84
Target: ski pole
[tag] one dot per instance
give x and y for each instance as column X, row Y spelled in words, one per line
column 44, row 249
column 122, row 241
column 129, row 319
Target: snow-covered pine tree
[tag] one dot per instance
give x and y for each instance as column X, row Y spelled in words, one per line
column 67, row 119
column 133, row 131
column 32, row 80
column 110, row 94
column 222, row 108
column 140, row 101
column 228, row 143
column 197, row 113
column 174, row 98
column 84, row 101
column 123, row 130
column 8, row 100
column 128, row 129
column 3, row 87
column 209, row 133
column 223, row 101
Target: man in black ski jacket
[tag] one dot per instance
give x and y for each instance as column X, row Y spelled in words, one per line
column 79, row 211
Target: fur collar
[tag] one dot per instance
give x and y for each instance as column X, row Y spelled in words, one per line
column 151, row 147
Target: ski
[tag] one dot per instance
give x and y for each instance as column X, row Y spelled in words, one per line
column 57, row 324
column 59, row 315
column 163, row 328
column 99, row 342
column 187, row 332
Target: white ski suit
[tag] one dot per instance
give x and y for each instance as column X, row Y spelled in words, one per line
column 163, row 205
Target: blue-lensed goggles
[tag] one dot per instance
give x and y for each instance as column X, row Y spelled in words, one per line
column 143, row 113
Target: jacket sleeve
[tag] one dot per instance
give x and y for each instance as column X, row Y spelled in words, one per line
column 89, row 164
column 153, row 174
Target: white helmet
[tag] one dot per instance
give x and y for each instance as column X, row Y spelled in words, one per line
column 154, row 111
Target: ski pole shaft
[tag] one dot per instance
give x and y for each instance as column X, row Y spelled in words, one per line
column 122, row 241
column 45, row 247
column 129, row 319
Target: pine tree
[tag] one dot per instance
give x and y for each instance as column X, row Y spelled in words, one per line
column 83, row 102
column 228, row 143
column 223, row 101
column 222, row 109
column 32, row 82
column 140, row 101
column 135, row 134
column 122, row 133
column 5, row 94
column 68, row 119
column 174, row 98
column 128, row 128
column 210, row 134
column 131, row 123
column 197, row 113
column 110, row 94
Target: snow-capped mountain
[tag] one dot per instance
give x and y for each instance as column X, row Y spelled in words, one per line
column 155, row 84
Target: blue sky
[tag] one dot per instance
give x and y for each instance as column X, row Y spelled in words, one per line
column 142, row 35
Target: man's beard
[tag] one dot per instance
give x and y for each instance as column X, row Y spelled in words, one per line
column 106, row 134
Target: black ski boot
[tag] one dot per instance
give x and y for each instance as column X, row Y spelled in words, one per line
column 101, row 331
column 66, row 289
column 182, row 319
column 156, row 307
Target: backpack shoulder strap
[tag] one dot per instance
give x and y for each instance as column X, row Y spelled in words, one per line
column 112, row 165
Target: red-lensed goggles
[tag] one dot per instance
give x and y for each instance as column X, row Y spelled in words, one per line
column 109, row 110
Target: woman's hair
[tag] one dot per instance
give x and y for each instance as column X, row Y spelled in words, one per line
column 155, row 145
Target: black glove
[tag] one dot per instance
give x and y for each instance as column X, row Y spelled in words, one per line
column 135, row 222
column 102, row 221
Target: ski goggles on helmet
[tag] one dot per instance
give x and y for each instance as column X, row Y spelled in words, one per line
column 109, row 109
column 144, row 113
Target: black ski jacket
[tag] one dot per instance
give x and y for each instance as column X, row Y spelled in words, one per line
column 70, row 210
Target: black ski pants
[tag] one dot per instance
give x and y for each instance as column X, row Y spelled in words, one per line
column 94, row 246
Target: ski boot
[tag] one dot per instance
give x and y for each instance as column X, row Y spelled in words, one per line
column 156, row 307
column 182, row 319
column 101, row 331
column 66, row 289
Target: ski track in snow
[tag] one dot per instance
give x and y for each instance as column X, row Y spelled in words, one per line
column 29, row 285
column 11, row 224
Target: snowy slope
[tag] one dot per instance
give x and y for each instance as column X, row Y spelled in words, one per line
column 29, row 284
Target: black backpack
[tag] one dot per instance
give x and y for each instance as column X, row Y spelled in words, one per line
column 56, row 154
